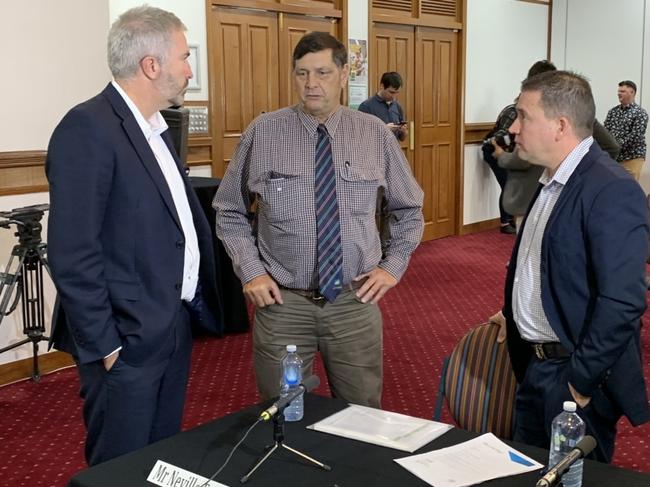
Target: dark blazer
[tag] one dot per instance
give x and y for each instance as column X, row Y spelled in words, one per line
column 115, row 242
column 593, row 285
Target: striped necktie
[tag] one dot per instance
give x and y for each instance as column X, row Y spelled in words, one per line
column 330, row 256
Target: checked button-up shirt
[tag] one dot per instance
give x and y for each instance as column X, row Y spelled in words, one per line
column 273, row 166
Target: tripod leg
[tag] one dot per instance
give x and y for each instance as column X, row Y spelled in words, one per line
column 306, row 457
column 260, row 462
column 36, row 373
column 14, row 345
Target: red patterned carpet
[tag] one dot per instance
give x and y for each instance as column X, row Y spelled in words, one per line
column 452, row 284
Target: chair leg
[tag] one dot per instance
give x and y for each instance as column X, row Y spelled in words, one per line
column 441, row 390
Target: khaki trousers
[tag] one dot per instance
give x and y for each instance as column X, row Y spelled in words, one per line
column 633, row 166
column 347, row 333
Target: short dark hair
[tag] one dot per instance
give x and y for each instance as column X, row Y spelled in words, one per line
column 565, row 94
column 320, row 41
column 541, row 67
column 628, row 83
column 391, row 79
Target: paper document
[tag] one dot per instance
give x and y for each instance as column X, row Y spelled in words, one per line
column 475, row 461
column 383, row 428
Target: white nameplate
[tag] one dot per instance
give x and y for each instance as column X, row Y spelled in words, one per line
column 167, row 475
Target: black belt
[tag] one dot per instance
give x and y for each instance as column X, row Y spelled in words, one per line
column 313, row 294
column 545, row 351
column 316, row 296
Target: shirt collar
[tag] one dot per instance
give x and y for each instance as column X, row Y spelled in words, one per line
column 381, row 100
column 156, row 124
column 569, row 164
column 311, row 124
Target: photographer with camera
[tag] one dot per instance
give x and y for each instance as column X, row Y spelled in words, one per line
column 499, row 139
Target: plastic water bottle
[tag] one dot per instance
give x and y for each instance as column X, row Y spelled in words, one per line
column 567, row 430
column 291, row 379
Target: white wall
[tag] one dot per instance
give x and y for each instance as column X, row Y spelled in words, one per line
column 504, row 38
column 53, row 56
column 620, row 50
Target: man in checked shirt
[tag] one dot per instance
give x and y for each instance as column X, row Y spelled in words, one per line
column 276, row 253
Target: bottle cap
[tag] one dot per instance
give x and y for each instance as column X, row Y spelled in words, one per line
column 569, row 406
column 291, row 348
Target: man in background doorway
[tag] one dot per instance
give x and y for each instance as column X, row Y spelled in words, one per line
column 385, row 106
column 627, row 122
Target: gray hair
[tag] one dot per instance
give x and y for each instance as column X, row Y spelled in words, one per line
column 565, row 94
column 137, row 33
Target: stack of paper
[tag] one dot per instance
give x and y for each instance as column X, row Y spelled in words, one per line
column 383, row 428
column 475, row 461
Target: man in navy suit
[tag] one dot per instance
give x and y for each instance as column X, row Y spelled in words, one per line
column 129, row 246
column 575, row 290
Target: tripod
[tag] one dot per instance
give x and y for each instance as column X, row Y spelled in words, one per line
column 278, row 442
column 24, row 273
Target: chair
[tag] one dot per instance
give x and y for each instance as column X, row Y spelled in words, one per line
column 478, row 382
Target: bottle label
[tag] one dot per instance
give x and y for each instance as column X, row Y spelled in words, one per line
column 292, row 376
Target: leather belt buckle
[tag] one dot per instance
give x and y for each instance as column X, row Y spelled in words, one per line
column 316, row 296
column 311, row 294
column 539, row 351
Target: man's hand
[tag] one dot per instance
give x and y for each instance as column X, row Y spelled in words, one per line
column 262, row 291
column 498, row 151
column 500, row 320
column 393, row 127
column 378, row 282
column 110, row 360
column 580, row 400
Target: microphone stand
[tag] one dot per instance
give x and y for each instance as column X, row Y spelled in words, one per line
column 278, row 442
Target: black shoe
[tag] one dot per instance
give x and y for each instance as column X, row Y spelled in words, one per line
column 509, row 229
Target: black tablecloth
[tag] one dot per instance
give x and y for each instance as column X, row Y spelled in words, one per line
column 229, row 286
column 202, row 450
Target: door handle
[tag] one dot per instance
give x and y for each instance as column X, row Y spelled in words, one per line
column 412, row 135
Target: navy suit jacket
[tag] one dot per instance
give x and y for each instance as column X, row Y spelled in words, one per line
column 115, row 242
column 593, row 285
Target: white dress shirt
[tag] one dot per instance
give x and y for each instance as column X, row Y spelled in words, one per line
column 527, row 307
column 152, row 130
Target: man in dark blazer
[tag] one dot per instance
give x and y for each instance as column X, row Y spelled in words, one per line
column 129, row 246
column 575, row 290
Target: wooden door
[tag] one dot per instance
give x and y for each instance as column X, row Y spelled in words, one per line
column 436, row 128
column 244, row 48
column 394, row 50
column 292, row 28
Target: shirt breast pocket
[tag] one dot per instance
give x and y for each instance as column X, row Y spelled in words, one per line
column 281, row 196
column 359, row 189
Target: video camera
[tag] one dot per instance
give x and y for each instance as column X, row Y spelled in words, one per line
column 27, row 220
column 504, row 139
column 499, row 133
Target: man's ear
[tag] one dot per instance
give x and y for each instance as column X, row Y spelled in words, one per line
column 564, row 127
column 150, row 67
column 345, row 72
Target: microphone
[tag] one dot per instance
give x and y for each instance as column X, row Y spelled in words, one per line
column 582, row 449
column 307, row 385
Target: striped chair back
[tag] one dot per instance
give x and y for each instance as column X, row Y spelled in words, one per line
column 480, row 384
